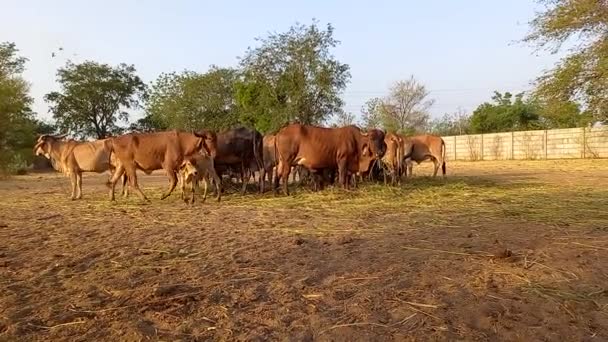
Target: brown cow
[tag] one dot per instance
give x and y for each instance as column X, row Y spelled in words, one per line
column 155, row 151
column 423, row 147
column 199, row 167
column 346, row 148
column 393, row 157
column 75, row 157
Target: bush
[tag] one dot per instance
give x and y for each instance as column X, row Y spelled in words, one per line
column 13, row 163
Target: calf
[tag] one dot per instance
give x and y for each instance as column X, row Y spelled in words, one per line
column 195, row 168
column 392, row 159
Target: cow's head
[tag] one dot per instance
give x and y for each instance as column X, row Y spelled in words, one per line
column 208, row 142
column 44, row 144
column 188, row 169
column 373, row 144
column 373, row 148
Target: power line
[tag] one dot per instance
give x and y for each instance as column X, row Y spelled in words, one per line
column 377, row 92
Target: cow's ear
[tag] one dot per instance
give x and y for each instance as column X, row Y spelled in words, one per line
column 204, row 148
column 365, row 150
column 183, row 165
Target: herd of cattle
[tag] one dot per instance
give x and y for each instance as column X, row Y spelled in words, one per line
column 315, row 153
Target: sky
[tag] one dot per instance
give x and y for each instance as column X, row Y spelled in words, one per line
column 460, row 50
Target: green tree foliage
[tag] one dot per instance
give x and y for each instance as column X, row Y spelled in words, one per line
column 291, row 76
column 190, row 100
column 563, row 114
column 94, row 98
column 506, row 113
column 457, row 123
column 404, row 110
column 17, row 126
column 373, row 113
column 582, row 76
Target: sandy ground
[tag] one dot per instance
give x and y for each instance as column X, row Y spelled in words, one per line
column 497, row 251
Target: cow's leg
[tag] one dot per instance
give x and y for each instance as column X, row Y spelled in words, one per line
column 262, row 179
column 193, row 187
column 172, row 183
column 182, row 185
column 385, row 180
column 205, row 180
column 270, row 175
column 73, row 181
column 275, row 185
column 410, row 166
column 244, row 178
column 285, row 175
column 218, row 183
column 125, row 186
column 79, row 185
column 134, row 184
column 342, row 173
column 436, row 166
column 120, row 171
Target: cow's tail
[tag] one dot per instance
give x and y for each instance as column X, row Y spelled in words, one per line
column 109, row 146
column 277, row 159
column 399, row 157
column 257, row 148
column 443, row 167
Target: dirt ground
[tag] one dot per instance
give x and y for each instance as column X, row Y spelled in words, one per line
column 508, row 250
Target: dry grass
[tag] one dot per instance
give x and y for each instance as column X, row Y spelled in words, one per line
column 498, row 250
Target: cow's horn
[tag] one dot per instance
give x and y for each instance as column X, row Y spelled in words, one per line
column 61, row 136
column 365, row 134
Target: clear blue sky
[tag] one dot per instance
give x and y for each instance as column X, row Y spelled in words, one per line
column 461, row 50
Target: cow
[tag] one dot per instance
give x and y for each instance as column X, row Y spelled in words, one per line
column 73, row 157
column 393, row 158
column 157, row 150
column 423, row 147
column 240, row 148
column 346, row 149
column 198, row 167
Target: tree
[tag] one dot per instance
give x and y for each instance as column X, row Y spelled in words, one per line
column 404, row 110
column 16, row 117
column 562, row 114
column 94, row 98
column 457, row 123
column 582, row 76
column 292, row 76
column 372, row 113
column 344, row 118
column 190, row 100
column 507, row 113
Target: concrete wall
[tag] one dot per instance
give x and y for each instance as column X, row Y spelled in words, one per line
column 543, row 144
